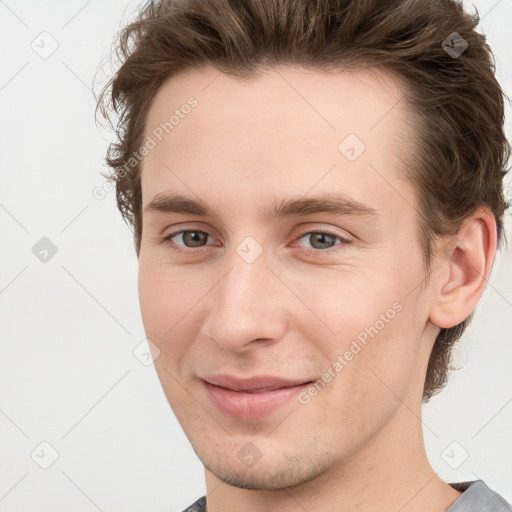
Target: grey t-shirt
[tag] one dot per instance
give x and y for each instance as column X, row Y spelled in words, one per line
column 475, row 497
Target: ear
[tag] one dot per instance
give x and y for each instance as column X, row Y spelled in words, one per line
column 465, row 261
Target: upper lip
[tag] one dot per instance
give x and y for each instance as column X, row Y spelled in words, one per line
column 257, row 383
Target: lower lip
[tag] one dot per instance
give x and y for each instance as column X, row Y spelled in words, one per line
column 240, row 404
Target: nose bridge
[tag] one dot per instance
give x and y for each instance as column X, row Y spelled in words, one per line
column 247, row 304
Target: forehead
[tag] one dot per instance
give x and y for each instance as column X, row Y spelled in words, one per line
column 284, row 129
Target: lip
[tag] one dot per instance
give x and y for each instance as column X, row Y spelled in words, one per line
column 251, row 398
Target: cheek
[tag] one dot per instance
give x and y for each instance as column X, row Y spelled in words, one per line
column 165, row 296
column 155, row 302
column 372, row 376
column 172, row 301
column 166, row 302
column 352, row 305
column 373, row 337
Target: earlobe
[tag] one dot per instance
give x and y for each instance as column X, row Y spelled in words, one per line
column 466, row 259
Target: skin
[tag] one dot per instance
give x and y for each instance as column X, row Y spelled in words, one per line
column 358, row 444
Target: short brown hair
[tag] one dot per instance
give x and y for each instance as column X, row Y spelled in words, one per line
column 455, row 100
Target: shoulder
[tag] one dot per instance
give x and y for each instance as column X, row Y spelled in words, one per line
column 476, row 496
column 198, row 506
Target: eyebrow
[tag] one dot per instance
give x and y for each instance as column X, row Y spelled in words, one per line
column 332, row 203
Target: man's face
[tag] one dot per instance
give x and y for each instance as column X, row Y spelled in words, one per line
column 248, row 294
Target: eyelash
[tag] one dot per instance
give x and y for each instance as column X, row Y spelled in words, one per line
column 189, row 250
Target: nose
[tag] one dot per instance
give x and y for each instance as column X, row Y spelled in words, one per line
column 249, row 306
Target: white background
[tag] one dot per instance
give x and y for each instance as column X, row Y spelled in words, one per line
column 68, row 327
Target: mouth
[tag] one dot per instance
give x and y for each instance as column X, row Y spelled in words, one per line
column 251, row 398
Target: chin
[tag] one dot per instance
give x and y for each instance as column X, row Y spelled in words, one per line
column 276, row 474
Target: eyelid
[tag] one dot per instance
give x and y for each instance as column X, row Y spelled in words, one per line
column 325, row 231
column 186, row 227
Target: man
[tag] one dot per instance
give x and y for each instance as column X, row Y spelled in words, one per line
column 315, row 189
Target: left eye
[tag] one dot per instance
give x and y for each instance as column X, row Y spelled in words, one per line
column 322, row 239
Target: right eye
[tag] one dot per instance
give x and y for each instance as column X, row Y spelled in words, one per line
column 186, row 238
